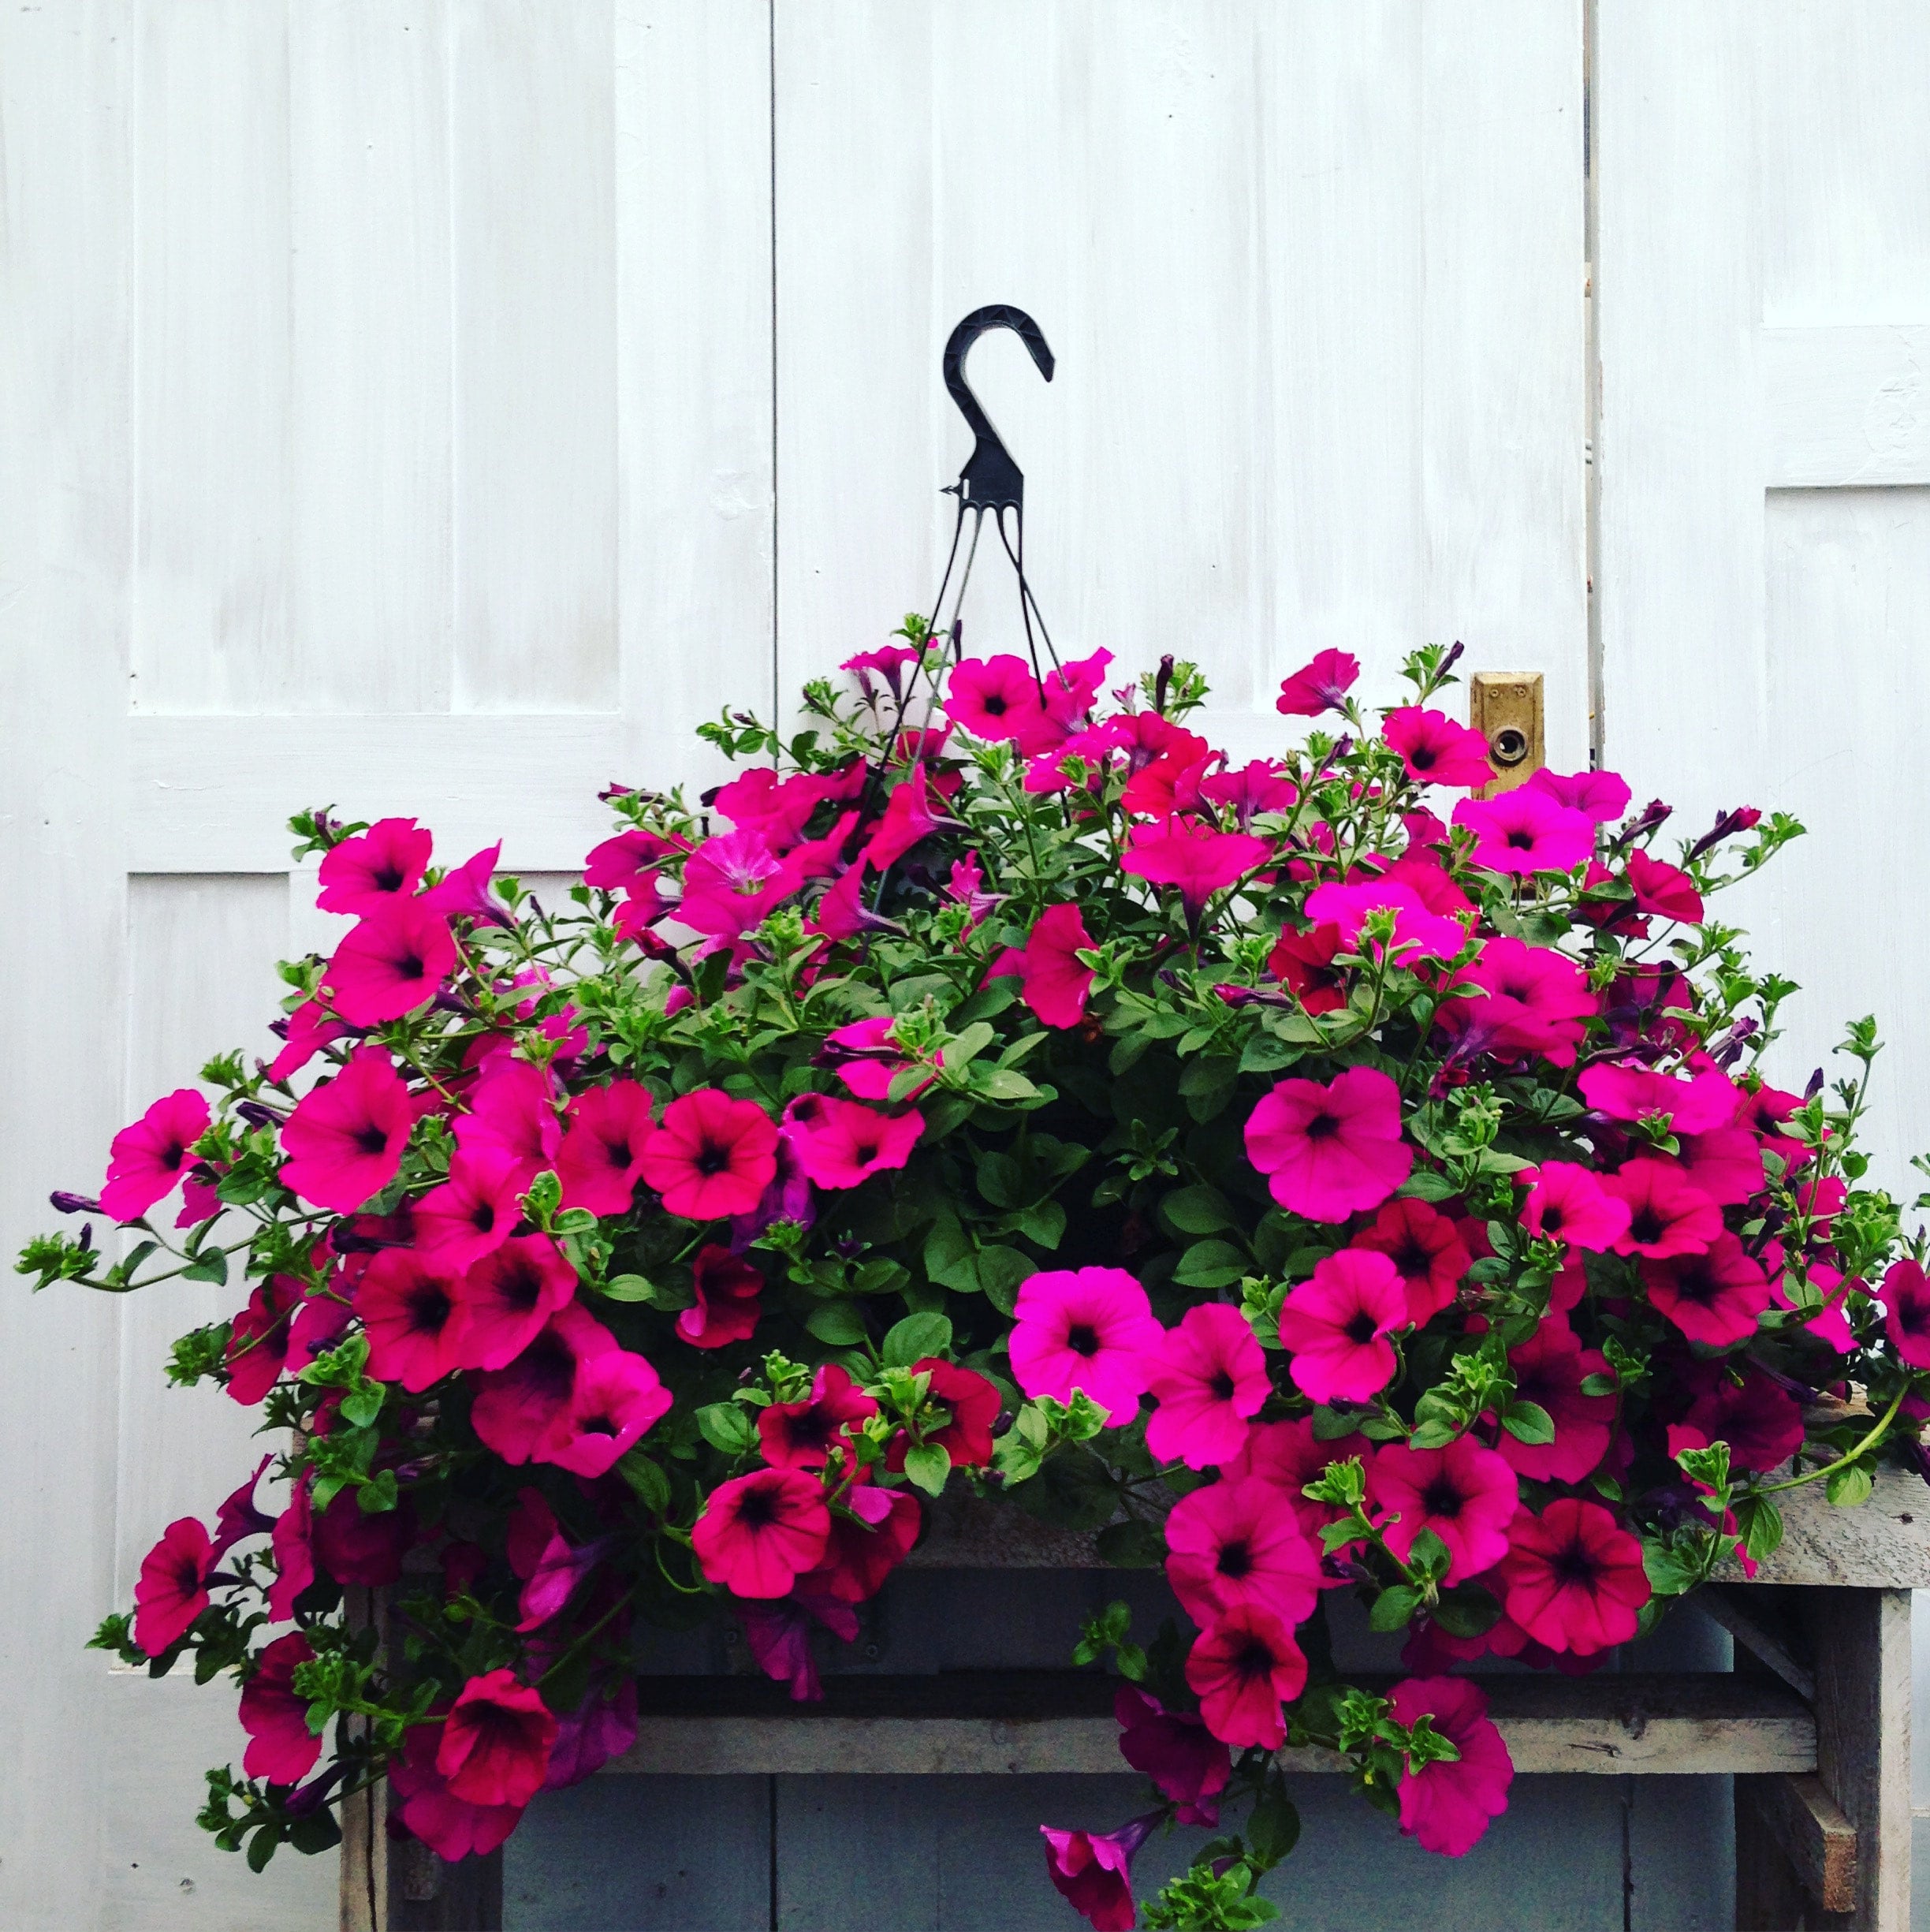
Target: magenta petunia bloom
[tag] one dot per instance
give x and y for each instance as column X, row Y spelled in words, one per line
column 1665, row 891
column 974, row 1403
column 615, row 1399
column 1242, row 1668
column 1193, row 857
column 1337, row 1324
column 517, row 1407
column 354, row 1546
column 1445, row 1806
column 603, row 1727
column 416, row 1326
column 1713, row 1297
column 1532, row 999
column 281, row 1748
column 1092, row 1871
column 759, row 1533
column 496, row 1740
column 1524, row 831
column 600, row 1158
column 994, row 698
column 1426, row 1251
column 1692, row 1107
column 801, row 1435
column 171, row 1591
column 1287, row 1456
column 712, row 1156
column 306, row 1031
column 726, row 1308
column 1320, row 685
column 1465, row 1494
column 1208, row 1377
column 506, row 1298
column 1329, row 1151
column 840, row 1144
column 1187, row 1764
column 473, row 1212
column 554, row 1572
column 1056, row 984
column 1090, row 1328
column 513, row 1109
column 1234, row 1543
column 1436, row 750
column 869, row 1538
column 1304, row 962
column 1549, row 1368
column 375, row 869
column 148, row 1158
column 1906, row 1311
column 292, row 1544
column 238, row 1517
column 1602, row 796
column 1260, row 785
column 465, row 891
column 906, row 818
column 345, row 1140
column 258, row 1338
column 451, row 1827
column 1566, row 1203
column 619, row 863
column 1739, row 1404
column 1574, row 1578
column 396, row 960
column 1666, row 1215
column 733, row 882
column 1418, row 932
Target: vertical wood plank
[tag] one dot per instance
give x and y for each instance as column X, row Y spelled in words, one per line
column 211, row 400
column 370, row 586
column 534, row 321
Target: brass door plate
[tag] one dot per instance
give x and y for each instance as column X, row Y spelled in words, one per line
column 1505, row 708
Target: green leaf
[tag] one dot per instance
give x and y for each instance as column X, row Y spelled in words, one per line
column 1001, row 1084
column 1000, row 1272
column 1000, row 1179
column 1425, row 1184
column 1467, row 1610
column 1760, row 1524
column 916, row 1336
column 1848, row 1488
column 969, row 1045
column 1198, row 1210
column 928, row 1464
column 1529, row 1422
column 725, row 1426
column 1393, row 1610
column 1599, row 1385
column 1272, row 1827
column 212, row 1266
column 1044, row 1222
column 648, row 1483
column 629, row 1288
column 1132, row 1544
column 837, row 1322
column 1211, row 1264
column 361, row 1406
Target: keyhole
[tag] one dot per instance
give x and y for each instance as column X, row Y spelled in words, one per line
column 1508, row 746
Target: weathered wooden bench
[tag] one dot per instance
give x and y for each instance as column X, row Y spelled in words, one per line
column 1814, row 1723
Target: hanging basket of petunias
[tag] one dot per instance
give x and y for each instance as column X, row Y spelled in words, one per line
column 1304, row 1174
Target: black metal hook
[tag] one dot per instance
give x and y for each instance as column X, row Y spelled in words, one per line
column 990, row 479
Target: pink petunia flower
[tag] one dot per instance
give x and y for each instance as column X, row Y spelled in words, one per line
column 473, row 1212
column 1666, row 1215
column 416, row 1325
column 518, row 1406
column 1549, row 1369
column 496, row 1740
column 1601, row 796
column 1304, row 962
column 1233, row 1543
column 1418, row 932
column 146, row 1159
column 1574, row 1578
column 1337, row 1325
column 1187, row 1764
column 1287, row 1456
column 602, row 1729
column 615, row 1399
column 1320, row 685
column 1524, row 832
column 506, row 1298
column 906, row 819
column 870, row 1536
column 1092, row 1871
column 600, row 1157
column 450, row 1826
column 1906, row 1311
column 344, row 1139
column 1090, row 1328
column 1428, row 1253
column 1736, row 1403
column 733, row 882
column 292, row 1544
column 395, row 960
column 1436, row 750
column 1530, row 999
column 801, row 1435
column 1692, row 1107
column 281, row 1748
column 841, row 1143
column 1465, row 1494
column 356, row 1546
column 712, row 1155
column 513, row 1109
column 1566, row 1203
column 1329, row 1151
column 1193, row 858
column 258, row 1338
column 1242, row 1668
column 172, row 1590
column 1712, row 1297
column 759, row 1533
column 994, row 698
column 727, row 1307
column 1260, row 785
column 1208, row 1377
column 1664, row 891
column 375, row 869
column 619, row 862
column 1056, row 984
column 466, row 891
column 305, row 1032
column 1445, row 1806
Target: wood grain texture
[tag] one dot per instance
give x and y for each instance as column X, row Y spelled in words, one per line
column 1812, row 1831
column 1883, row 1544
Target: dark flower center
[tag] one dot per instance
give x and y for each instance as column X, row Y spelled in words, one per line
column 1082, row 1339
column 812, row 1428
column 596, row 1425
column 1646, row 1226
column 617, row 1153
column 1360, row 1327
column 172, row 1155
column 863, row 1153
column 1552, row 1218
column 1441, row 1498
column 386, row 878
column 1410, row 1257
column 1423, row 758
column 1322, row 1127
column 1235, row 1559
column 1575, row 1564
column 482, row 1217
column 371, row 1139
column 410, row 965
column 757, row 1509
column 547, row 1368
column 1521, row 839
column 429, row 1308
column 1221, row 1384
column 993, row 705
column 519, row 1286
column 711, row 1159
column 1254, row 1659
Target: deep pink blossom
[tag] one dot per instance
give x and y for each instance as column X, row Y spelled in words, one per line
column 345, row 1140
column 759, row 1533
column 1056, row 984
column 305, row 1032
column 1418, row 932
column 1465, row 1494
column 1328, row 1151
column 451, row 1827
column 1320, row 685
column 1436, row 750
column 1573, row 1578
column 496, row 1740
column 1666, row 1215
column 416, row 1325
column 1696, row 1106
column 906, row 819
column 149, row 1157
column 1524, row 832
column 1233, row 1543
column 473, row 1212
column 1426, row 1251
column 518, row 1407
column 292, row 1546
column 1906, row 1311
column 877, row 1059
column 1187, row 1764
column 466, row 891
column 1287, row 1456
column 506, row 1298
column 1193, row 857
column 757, row 801
column 555, row 1572
column 172, row 1590
column 841, row 1143
column 1549, row 1369
column 1445, row 1805
column 1208, row 1377
column 994, row 698
column 727, row 1307
column 239, row 1517
column 1090, row 1328
column 513, row 1109
column 1304, row 961
column 1663, row 890
column 1092, row 1871
column 1529, row 999
column 258, row 1338
column 733, row 882
column 618, row 863
column 1738, row 1403
column 1602, row 796
column 1260, row 785
column 1337, row 1324
column 374, row 869
column 600, row 1159
column 1242, row 1668
column 1712, row 1297
column 602, row 1729
column 616, row 1396
column 396, row 960
column 1566, row 1203
column 870, row 1536
column 712, row 1155
column 281, row 1748
column 360, row 1546
column 802, row 1435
